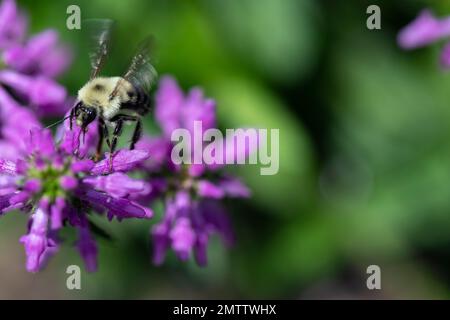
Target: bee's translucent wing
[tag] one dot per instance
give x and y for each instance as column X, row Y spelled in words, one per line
column 141, row 72
column 99, row 41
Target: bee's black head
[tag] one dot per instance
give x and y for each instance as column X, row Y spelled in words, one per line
column 84, row 114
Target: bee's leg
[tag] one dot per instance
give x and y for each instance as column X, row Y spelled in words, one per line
column 138, row 129
column 116, row 134
column 83, row 131
column 72, row 115
column 136, row 134
column 120, row 118
column 106, row 135
column 101, row 131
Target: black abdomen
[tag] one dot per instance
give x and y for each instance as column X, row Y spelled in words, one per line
column 139, row 101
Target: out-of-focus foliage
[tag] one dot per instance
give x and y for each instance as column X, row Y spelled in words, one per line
column 364, row 151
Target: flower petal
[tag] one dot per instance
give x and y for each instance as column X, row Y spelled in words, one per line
column 88, row 248
column 183, row 238
column 17, row 122
column 121, row 208
column 56, row 61
column 161, row 242
column 73, row 142
column 32, row 185
column 216, row 220
column 50, row 250
column 40, row 91
column 234, row 187
column 12, row 24
column 8, row 167
column 9, row 151
column 118, row 185
column 5, row 204
column 201, row 249
column 238, row 147
column 7, row 181
column 122, row 161
column 159, row 150
column 57, row 213
column 82, row 166
column 424, row 30
column 25, row 58
column 35, row 241
column 20, row 198
column 68, row 182
column 207, row 189
column 8, row 104
column 41, row 142
column 197, row 108
column 169, row 100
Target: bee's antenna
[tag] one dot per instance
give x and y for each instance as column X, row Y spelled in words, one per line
column 57, row 122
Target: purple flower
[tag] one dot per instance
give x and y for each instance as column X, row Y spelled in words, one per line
column 59, row 187
column 32, row 64
column 193, row 211
column 425, row 30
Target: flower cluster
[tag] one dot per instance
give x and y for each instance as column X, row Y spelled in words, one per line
column 55, row 181
column 57, row 186
column 192, row 193
column 424, row 30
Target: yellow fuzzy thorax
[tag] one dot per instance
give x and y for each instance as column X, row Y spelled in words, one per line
column 96, row 93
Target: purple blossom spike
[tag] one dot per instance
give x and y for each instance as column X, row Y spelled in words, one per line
column 193, row 211
column 31, row 64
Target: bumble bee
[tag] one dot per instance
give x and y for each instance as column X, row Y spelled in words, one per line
column 114, row 100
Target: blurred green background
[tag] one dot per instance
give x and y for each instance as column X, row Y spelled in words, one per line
column 364, row 152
